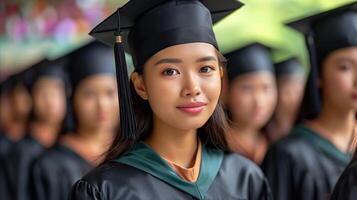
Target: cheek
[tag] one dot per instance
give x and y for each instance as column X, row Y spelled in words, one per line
column 240, row 102
column 85, row 110
column 339, row 85
column 212, row 88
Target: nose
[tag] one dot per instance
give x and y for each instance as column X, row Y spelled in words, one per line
column 191, row 86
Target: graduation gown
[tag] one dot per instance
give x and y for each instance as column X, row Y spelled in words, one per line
column 143, row 174
column 303, row 165
column 55, row 171
column 18, row 164
column 346, row 187
column 5, row 144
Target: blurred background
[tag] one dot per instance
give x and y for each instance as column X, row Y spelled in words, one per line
column 31, row 30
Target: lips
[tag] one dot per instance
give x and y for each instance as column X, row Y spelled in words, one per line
column 354, row 96
column 192, row 108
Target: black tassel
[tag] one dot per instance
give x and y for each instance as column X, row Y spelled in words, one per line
column 311, row 106
column 127, row 114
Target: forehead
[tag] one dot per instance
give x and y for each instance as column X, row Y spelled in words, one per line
column 186, row 51
column 348, row 53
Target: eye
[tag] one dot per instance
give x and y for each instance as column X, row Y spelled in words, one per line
column 344, row 67
column 207, row 69
column 111, row 93
column 171, row 72
column 89, row 93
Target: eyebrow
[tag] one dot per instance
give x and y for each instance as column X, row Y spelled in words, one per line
column 176, row 60
column 207, row 58
column 344, row 59
column 169, row 60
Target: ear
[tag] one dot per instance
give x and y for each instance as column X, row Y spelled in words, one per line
column 139, row 85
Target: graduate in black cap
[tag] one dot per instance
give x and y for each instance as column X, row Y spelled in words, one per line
column 48, row 92
column 251, row 99
column 346, row 187
column 175, row 148
column 20, row 104
column 5, row 142
column 290, row 83
column 307, row 163
column 96, row 115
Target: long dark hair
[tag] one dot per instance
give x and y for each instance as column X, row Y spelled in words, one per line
column 212, row 133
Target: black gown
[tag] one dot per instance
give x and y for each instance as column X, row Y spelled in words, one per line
column 144, row 175
column 5, row 144
column 18, row 164
column 346, row 187
column 55, row 171
column 303, row 166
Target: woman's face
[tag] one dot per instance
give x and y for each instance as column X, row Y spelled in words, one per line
column 339, row 79
column 252, row 99
column 182, row 84
column 49, row 100
column 5, row 110
column 291, row 90
column 21, row 102
column 96, row 104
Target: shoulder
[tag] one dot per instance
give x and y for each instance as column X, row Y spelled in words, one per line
column 239, row 178
column 111, row 180
column 292, row 144
column 346, row 187
column 236, row 162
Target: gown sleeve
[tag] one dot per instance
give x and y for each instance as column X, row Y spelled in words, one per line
column 278, row 169
column 346, row 187
column 82, row 190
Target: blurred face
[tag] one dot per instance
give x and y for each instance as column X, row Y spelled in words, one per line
column 291, row 89
column 182, row 84
column 252, row 99
column 5, row 110
column 339, row 79
column 49, row 100
column 21, row 103
column 96, row 103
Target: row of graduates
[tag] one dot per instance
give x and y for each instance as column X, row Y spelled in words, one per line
column 59, row 117
column 186, row 152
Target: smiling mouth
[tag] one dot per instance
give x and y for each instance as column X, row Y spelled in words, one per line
column 192, row 108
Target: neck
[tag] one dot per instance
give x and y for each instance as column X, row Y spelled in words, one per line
column 44, row 133
column 16, row 131
column 282, row 123
column 336, row 125
column 244, row 130
column 93, row 135
column 178, row 146
column 90, row 144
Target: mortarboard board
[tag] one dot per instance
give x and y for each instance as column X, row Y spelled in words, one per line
column 324, row 33
column 289, row 66
column 149, row 26
column 90, row 59
column 251, row 58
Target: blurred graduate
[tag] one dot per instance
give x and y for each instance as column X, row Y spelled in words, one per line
column 251, row 99
column 48, row 94
column 307, row 163
column 94, row 105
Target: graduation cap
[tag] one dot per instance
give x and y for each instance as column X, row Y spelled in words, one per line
column 149, row 26
column 290, row 66
column 91, row 59
column 49, row 68
column 26, row 77
column 324, row 33
column 251, row 58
